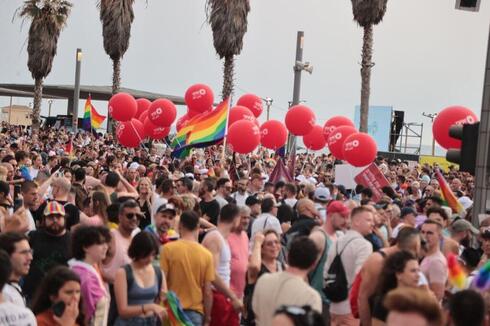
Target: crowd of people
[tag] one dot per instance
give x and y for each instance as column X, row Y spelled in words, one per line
column 92, row 233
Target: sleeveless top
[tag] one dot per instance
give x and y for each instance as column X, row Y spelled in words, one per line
column 138, row 295
column 315, row 277
column 224, row 266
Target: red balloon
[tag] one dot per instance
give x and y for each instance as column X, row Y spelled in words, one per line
column 162, row 112
column 130, row 133
column 243, row 136
column 239, row 113
column 273, row 134
column 199, row 98
column 300, row 120
column 143, row 105
column 314, row 140
column 155, row 132
column 182, row 122
column 336, row 140
column 143, row 116
column 122, row 107
column 360, row 149
column 335, row 122
column 252, row 102
column 192, row 114
column 448, row 117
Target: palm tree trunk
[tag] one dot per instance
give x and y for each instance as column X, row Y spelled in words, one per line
column 116, row 82
column 367, row 54
column 36, row 110
column 227, row 77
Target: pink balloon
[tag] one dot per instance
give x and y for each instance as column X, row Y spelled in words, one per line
column 252, row 102
column 243, row 136
column 130, row 133
column 300, row 120
column 162, row 112
column 143, row 105
column 314, row 140
column 155, row 132
column 273, row 134
column 448, row 117
column 199, row 98
column 336, row 140
column 360, row 149
column 239, row 113
column 122, row 107
column 335, row 122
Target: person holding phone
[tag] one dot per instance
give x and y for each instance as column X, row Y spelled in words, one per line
column 57, row 300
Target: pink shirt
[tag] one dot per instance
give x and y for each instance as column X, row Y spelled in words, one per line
column 121, row 257
column 434, row 268
column 239, row 261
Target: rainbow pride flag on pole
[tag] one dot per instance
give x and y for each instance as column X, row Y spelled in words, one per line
column 448, row 194
column 91, row 119
column 203, row 130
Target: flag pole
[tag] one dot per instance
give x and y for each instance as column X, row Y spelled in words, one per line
column 226, row 128
column 91, row 129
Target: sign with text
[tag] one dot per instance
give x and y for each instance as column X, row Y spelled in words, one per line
column 372, row 178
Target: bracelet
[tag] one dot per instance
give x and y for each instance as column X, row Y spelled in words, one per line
column 143, row 309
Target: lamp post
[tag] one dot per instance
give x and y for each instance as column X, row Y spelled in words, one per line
column 50, row 102
column 76, row 93
column 268, row 102
column 431, row 116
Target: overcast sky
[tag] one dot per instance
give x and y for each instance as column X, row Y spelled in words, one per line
column 427, row 54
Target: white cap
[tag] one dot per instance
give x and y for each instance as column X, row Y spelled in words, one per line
column 134, row 166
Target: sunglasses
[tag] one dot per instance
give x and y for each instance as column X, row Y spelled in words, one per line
column 131, row 216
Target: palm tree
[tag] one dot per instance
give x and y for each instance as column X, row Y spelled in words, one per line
column 367, row 13
column 228, row 19
column 116, row 17
column 48, row 17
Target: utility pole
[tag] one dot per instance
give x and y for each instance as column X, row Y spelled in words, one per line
column 431, row 116
column 268, row 102
column 76, row 94
column 481, row 198
column 299, row 66
column 50, row 102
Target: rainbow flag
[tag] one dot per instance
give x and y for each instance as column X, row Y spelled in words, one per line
column 448, row 194
column 91, row 119
column 175, row 312
column 203, row 130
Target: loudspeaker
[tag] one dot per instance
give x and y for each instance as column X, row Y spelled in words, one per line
column 396, row 127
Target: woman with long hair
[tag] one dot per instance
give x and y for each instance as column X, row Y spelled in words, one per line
column 97, row 207
column 139, row 286
column 89, row 248
column 265, row 251
column 57, row 300
column 144, row 200
column 400, row 269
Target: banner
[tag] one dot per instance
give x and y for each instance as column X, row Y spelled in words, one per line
column 372, row 178
column 379, row 124
column 345, row 174
column 441, row 162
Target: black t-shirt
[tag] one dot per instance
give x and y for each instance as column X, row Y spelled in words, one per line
column 49, row 251
column 145, row 209
column 211, row 209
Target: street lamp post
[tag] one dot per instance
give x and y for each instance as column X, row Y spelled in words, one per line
column 76, row 94
column 431, row 116
column 50, row 102
column 268, row 102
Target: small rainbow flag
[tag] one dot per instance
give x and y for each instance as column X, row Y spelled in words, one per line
column 203, row 130
column 457, row 276
column 175, row 312
column 91, row 119
column 448, row 194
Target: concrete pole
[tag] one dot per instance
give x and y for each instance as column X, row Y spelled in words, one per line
column 268, row 102
column 10, row 110
column 76, row 93
column 481, row 200
column 297, row 81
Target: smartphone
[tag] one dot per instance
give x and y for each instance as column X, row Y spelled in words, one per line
column 18, row 203
column 58, row 308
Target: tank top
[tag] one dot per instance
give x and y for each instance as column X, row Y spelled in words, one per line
column 224, row 266
column 138, row 295
column 315, row 277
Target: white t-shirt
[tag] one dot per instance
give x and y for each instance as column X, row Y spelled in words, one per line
column 13, row 315
column 12, row 293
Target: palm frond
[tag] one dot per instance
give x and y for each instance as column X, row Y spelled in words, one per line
column 368, row 12
column 228, row 20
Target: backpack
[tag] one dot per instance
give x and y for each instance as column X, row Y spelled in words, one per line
column 336, row 288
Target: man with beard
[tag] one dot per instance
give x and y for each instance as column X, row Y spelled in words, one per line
column 208, row 204
column 16, row 245
column 461, row 232
column 51, row 246
column 240, row 196
column 164, row 227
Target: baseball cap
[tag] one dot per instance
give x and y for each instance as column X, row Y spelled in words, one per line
column 465, row 201
column 322, row 194
column 252, row 200
column 425, row 178
column 463, row 225
column 54, row 208
column 406, row 211
column 337, row 206
column 134, row 166
column 189, row 175
column 167, row 208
